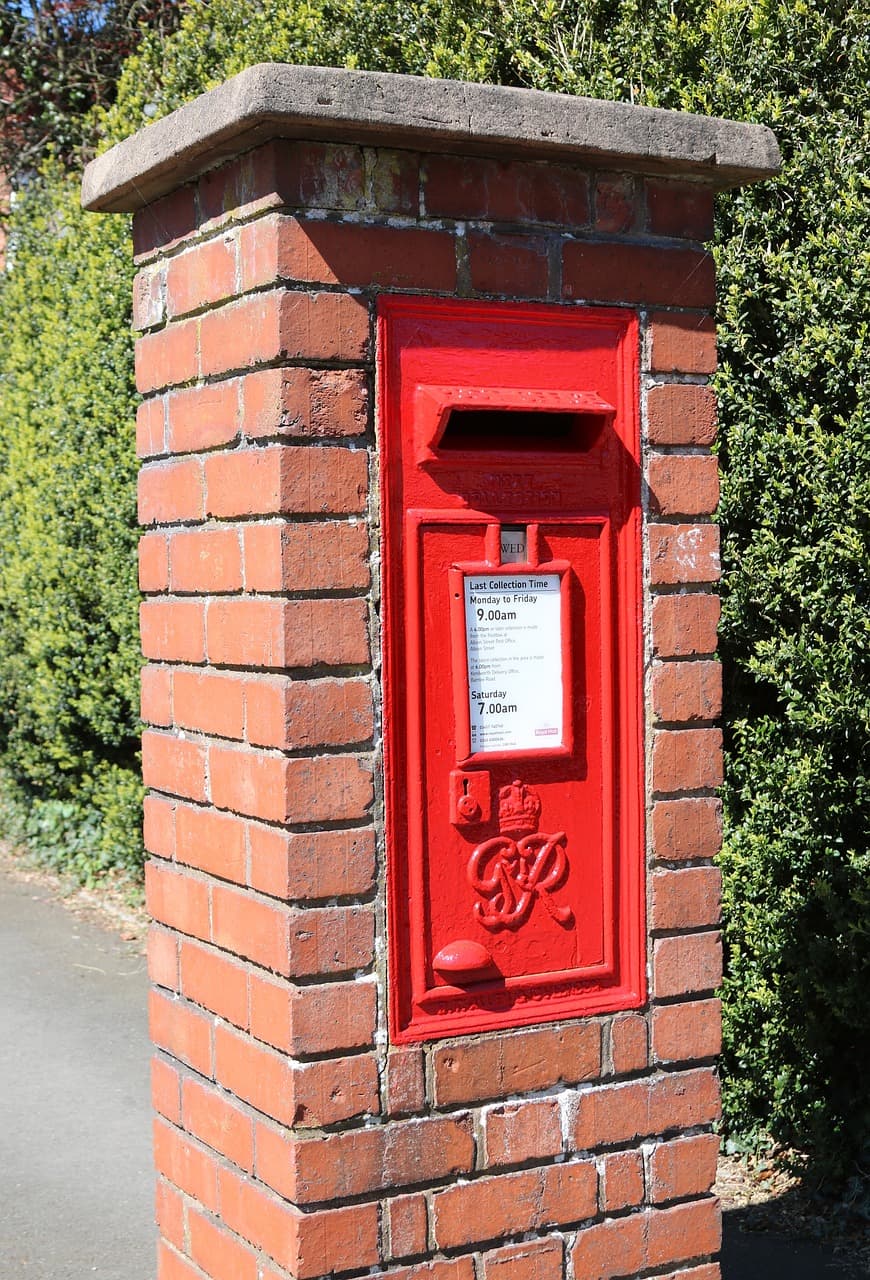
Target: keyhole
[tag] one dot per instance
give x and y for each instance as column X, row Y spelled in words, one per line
column 465, row 786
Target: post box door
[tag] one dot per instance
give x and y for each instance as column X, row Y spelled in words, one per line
column 511, row 663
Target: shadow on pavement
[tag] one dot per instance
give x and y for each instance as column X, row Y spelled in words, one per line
column 762, row 1255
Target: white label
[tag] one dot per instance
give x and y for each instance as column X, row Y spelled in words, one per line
column 514, row 638
column 513, row 545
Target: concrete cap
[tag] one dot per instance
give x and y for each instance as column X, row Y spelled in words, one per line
column 279, row 100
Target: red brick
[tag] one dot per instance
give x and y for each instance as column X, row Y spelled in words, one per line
column 203, row 417
column 637, row 273
column 408, row 1225
column 294, row 714
column 217, row 1252
column 406, row 1081
column 610, row 1249
column 681, row 343
column 240, row 334
column 513, row 1203
column 322, row 175
column 683, row 553
column 153, row 562
column 395, row 181
column 324, row 789
column 151, row 427
column 170, row 1266
column 286, row 478
column 685, row 625
column 163, row 958
column 505, row 191
column 472, row 1070
column 681, row 413
column 305, row 403
column 165, row 222
column 274, row 1163
column 687, row 691
column 169, row 1213
column 514, row 265
column 306, row 557
column 606, row 1116
column 686, row 1167
column 519, row 1131
column 159, row 826
column 173, row 764
column 618, row 207
column 628, row 1043
column 455, row 1269
column 686, row 964
column 686, row 899
column 311, row 865
column 214, row 842
column 361, row 1161
column 622, row 1113
column 172, row 630
column 337, row 1089
column 210, row 701
column 689, row 828
column 330, row 940
column 710, row 1271
column 259, row 1217
column 215, row 982
column 201, row 276
column 250, row 927
column 686, row 760
column 165, row 1089
column 311, row 1095
column 177, row 900
column 621, row 1181
column 535, row 1260
column 313, row 1019
column 684, row 1100
column 166, row 358
column 171, row 491
column 287, row 633
column 270, row 1010
column 214, row 1118
column 683, row 484
column 682, row 1032
column 680, row 209
column 149, row 287
column 246, row 185
column 348, row 253
column 254, row 1074
column 155, row 701
column 324, row 326
column 181, row 1031
column 684, row 1232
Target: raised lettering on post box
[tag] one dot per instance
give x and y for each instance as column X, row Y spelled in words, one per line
column 512, row 663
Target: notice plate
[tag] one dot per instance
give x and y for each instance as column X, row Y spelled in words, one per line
column 513, row 638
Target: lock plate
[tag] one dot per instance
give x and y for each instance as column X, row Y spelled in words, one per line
column 470, row 797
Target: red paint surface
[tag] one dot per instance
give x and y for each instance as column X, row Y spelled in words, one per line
column 556, row 903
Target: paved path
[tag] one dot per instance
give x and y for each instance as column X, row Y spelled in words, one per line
column 76, row 1183
column 76, row 1186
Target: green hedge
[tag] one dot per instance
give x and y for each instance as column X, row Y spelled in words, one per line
column 793, row 263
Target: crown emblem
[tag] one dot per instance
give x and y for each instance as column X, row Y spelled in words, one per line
column 519, row 810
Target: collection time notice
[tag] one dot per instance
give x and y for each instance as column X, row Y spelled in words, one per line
column 513, row 639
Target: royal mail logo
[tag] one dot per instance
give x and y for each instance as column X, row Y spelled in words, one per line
column 520, row 866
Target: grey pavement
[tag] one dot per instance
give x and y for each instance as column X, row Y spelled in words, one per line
column 76, row 1182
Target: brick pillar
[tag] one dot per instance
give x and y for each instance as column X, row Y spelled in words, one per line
column 292, row 1138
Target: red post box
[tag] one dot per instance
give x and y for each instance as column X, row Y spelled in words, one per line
column 512, row 663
